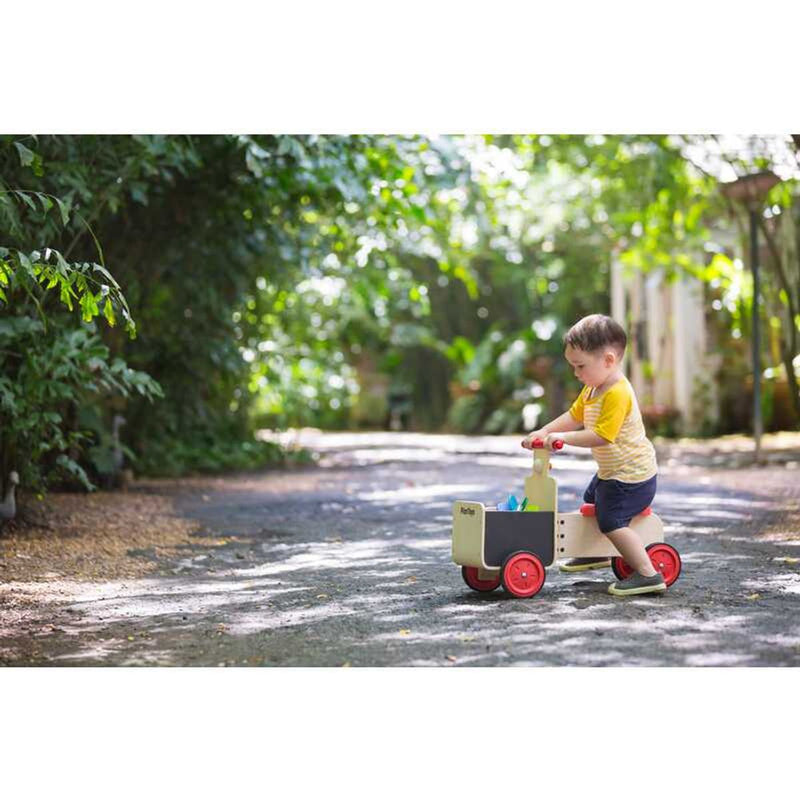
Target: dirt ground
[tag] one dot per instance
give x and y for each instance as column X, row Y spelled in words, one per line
column 91, row 537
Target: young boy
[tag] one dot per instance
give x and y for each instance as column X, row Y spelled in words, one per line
column 607, row 410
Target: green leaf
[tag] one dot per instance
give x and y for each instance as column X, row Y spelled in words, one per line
column 66, row 296
column 138, row 193
column 88, row 306
column 26, row 263
column 75, row 469
column 65, row 209
column 7, row 396
column 108, row 312
column 106, row 274
column 17, row 327
column 24, row 196
column 63, row 266
column 26, row 156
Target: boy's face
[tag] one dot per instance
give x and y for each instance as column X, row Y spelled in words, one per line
column 591, row 369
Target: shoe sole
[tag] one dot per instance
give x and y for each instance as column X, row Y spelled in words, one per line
column 658, row 589
column 584, row 567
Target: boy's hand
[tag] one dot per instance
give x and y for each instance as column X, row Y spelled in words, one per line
column 527, row 441
column 551, row 438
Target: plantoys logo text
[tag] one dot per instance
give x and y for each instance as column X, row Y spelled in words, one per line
column 467, row 510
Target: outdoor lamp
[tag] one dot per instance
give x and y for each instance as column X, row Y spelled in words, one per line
column 750, row 190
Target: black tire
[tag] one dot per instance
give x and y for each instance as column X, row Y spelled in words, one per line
column 475, row 587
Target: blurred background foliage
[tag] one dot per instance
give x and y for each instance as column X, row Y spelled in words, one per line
column 203, row 287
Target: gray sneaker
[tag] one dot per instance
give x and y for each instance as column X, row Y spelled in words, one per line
column 638, row 584
column 581, row 564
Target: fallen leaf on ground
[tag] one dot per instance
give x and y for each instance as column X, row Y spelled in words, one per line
column 788, row 560
column 754, row 596
column 411, row 579
column 451, row 658
column 321, row 596
column 404, row 631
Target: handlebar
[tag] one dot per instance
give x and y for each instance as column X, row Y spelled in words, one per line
column 557, row 443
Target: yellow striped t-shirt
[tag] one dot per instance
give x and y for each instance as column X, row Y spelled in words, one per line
column 630, row 456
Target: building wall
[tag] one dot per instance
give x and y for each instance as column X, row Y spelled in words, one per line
column 667, row 360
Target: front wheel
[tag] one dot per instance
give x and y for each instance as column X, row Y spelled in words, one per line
column 470, row 576
column 523, row 574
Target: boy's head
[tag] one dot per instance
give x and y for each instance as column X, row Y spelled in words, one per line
column 594, row 347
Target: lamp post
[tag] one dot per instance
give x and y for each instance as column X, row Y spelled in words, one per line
column 751, row 191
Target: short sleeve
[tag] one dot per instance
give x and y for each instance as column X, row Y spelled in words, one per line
column 576, row 409
column 616, row 406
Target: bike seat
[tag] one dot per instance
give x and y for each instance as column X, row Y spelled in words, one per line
column 587, row 510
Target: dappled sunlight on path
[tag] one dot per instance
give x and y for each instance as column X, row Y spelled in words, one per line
column 351, row 565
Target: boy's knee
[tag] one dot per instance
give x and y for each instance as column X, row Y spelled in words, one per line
column 609, row 523
column 611, row 528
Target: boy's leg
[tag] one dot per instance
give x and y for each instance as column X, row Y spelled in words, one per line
column 617, row 503
column 645, row 579
column 630, row 547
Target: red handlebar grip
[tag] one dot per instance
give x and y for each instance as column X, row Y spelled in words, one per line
column 557, row 444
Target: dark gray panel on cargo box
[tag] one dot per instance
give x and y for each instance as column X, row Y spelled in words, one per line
column 509, row 531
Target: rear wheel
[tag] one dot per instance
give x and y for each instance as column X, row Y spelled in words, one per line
column 666, row 560
column 523, row 574
column 620, row 567
column 470, row 576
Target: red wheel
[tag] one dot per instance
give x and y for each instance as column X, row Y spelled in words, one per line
column 523, row 574
column 470, row 576
column 666, row 560
column 620, row 567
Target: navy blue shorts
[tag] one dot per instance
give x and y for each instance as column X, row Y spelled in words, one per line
column 616, row 503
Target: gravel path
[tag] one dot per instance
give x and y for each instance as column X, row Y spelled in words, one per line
column 349, row 564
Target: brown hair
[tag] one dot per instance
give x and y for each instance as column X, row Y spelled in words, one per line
column 595, row 332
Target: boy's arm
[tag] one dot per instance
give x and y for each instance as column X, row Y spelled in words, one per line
column 566, row 422
column 579, row 439
column 616, row 407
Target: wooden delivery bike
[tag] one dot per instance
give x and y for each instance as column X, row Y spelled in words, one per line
column 514, row 548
